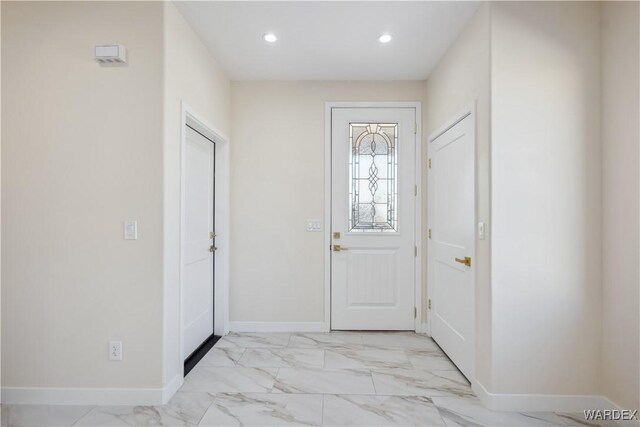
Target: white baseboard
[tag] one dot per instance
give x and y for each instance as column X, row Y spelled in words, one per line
column 278, row 327
column 423, row 328
column 171, row 387
column 543, row 402
column 90, row 396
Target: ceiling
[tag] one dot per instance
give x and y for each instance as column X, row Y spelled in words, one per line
column 327, row 40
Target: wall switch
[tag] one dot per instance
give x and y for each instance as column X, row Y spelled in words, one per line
column 314, row 225
column 481, row 230
column 115, row 350
column 131, row 230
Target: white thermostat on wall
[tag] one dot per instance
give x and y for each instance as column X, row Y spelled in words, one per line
column 111, row 54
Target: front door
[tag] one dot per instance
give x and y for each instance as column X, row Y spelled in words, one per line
column 373, row 218
column 452, row 243
column 197, row 254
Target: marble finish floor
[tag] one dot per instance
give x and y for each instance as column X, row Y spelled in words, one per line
column 332, row 379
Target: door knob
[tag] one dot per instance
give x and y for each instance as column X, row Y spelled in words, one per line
column 338, row 248
column 213, row 249
column 466, row 261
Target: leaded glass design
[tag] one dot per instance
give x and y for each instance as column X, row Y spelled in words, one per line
column 373, row 163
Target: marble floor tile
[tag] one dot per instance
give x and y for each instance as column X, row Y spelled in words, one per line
column 41, row 415
column 325, row 340
column 432, row 360
column 222, row 379
column 282, row 358
column 253, row 340
column 403, row 340
column 404, row 382
column 458, row 411
column 324, row 381
column 184, row 409
column 264, row 409
column 222, row 356
column 358, row 410
column 578, row 420
column 365, row 358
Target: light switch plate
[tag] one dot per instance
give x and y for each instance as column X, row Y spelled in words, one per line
column 131, row 230
column 314, row 225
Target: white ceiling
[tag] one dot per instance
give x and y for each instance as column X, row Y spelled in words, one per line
column 327, row 40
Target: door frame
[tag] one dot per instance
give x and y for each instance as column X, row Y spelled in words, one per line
column 221, row 214
column 417, row 283
column 469, row 110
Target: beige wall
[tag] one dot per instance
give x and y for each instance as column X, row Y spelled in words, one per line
column 82, row 152
column 620, row 139
column 461, row 78
column 277, row 183
column 191, row 76
column 546, row 197
column 71, row 118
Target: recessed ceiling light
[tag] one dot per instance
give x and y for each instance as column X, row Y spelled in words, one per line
column 385, row 38
column 270, row 38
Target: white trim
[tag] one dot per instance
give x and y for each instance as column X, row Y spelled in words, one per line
column 541, row 402
column 171, row 388
column 222, row 191
column 417, row 279
column 90, row 396
column 424, row 329
column 329, row 106
column 277, row 327
column 327, row 215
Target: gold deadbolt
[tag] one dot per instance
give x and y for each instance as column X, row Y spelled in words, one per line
column 466, row 261
column 212, row 234
column 336, row 234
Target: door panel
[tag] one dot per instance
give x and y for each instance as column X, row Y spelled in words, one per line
column 197, row 307
column 372, row 278
column 373, row 210
column 452, row 222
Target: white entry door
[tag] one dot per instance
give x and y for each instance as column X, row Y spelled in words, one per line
column 452, row 244
column 373, row 218
column 197, row 256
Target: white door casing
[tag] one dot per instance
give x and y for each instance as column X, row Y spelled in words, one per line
column 451, row 203
column 197, row 259
column 373, row 273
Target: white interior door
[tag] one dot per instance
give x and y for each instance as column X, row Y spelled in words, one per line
column 197, row 258
column 373, row 218
column 452, row 244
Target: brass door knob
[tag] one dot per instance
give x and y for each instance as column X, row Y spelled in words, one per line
column 338, row 248
column 213, row 249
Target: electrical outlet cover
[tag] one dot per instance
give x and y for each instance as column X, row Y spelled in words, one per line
column 115, row 350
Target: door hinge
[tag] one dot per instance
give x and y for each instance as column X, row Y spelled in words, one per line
column 415, row 251
column 415, row 128
column 429, row 304
column 429, row 163
column 415, row 190
column 415, row 312
column 429, row 233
